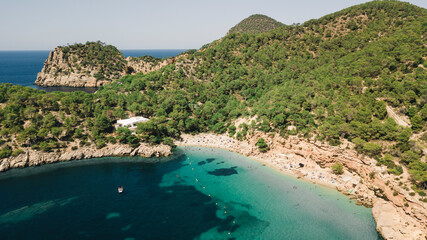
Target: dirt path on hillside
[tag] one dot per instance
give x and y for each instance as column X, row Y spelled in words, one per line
column 396, row 117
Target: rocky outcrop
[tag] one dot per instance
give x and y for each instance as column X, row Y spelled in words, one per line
column 136, row 65
column 81, row 66
column 35, row 158
column 52, row 75
column 87, row 66
column 391, row 219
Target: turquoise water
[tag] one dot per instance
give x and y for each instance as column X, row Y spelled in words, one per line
column 204, row 194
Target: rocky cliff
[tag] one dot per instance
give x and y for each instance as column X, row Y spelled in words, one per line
column 35, row 158
column 93, row 64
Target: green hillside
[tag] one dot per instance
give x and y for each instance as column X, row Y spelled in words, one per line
column 256, row 23
column 331, row 78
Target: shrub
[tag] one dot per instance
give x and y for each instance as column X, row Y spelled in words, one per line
column 262, row 145
column 100, row 143
column 372, row 149
column 231, row 130
column 16, row 152
column 44, row 146
column 5, row 152
column 337, row 168
column 168, row 141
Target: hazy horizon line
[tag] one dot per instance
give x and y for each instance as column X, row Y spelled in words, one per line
column 127, row 49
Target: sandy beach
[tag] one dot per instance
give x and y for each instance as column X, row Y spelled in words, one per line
column 398, row 216
column 282, row 161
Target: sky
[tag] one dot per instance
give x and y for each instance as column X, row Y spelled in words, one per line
column 142, row 24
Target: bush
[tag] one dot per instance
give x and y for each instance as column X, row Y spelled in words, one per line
column 111, row 139
column 169, row 141
column 100, row 143
column 231, row 130
column 44, row 146
column 337, row 168
column 372, row 149
column 5, row 152
column 16, row 152
column 262, row 145
column 359, row 144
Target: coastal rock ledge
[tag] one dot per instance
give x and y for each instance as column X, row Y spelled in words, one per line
column 35, row 158
column 390, row 221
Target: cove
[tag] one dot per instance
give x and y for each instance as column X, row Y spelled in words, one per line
column 204, row 193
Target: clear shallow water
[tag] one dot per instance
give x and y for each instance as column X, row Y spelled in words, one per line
column 204, row 194
column 21, row 67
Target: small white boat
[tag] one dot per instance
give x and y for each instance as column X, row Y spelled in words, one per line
column 120, row 189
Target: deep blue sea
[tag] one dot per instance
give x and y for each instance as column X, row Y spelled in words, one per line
column 203, row 194
column 21, row 67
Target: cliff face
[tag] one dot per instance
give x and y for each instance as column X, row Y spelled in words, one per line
column 93, row 64
column 58, row 71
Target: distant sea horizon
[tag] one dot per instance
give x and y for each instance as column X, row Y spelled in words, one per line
column 20, row 67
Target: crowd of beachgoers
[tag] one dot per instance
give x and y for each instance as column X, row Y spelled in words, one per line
column 286, row 162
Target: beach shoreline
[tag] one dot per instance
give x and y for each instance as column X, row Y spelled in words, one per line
column 288, row 168
column 398, row 216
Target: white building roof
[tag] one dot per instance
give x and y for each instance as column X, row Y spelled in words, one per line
column 131, row 121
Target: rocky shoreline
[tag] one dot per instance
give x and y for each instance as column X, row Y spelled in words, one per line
column 398, row 216
column 36, row 158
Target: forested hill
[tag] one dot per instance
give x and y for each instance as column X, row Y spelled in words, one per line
column 256, row 23
column 331, row 78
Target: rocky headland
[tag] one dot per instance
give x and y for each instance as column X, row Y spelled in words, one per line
column 93, row 64
column 30, row 157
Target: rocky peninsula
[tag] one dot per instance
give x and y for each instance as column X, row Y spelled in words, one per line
column 93, row 64
column 31, row 157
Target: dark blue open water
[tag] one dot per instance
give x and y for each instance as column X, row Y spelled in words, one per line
column 204, row 194
column 21, row 67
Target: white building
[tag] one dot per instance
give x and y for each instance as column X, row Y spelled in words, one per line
column 130, row 122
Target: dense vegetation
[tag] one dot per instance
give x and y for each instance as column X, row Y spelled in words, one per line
column 256, row 23
column 329, row 78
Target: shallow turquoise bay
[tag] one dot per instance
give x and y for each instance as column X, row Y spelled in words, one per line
column 204, row 194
